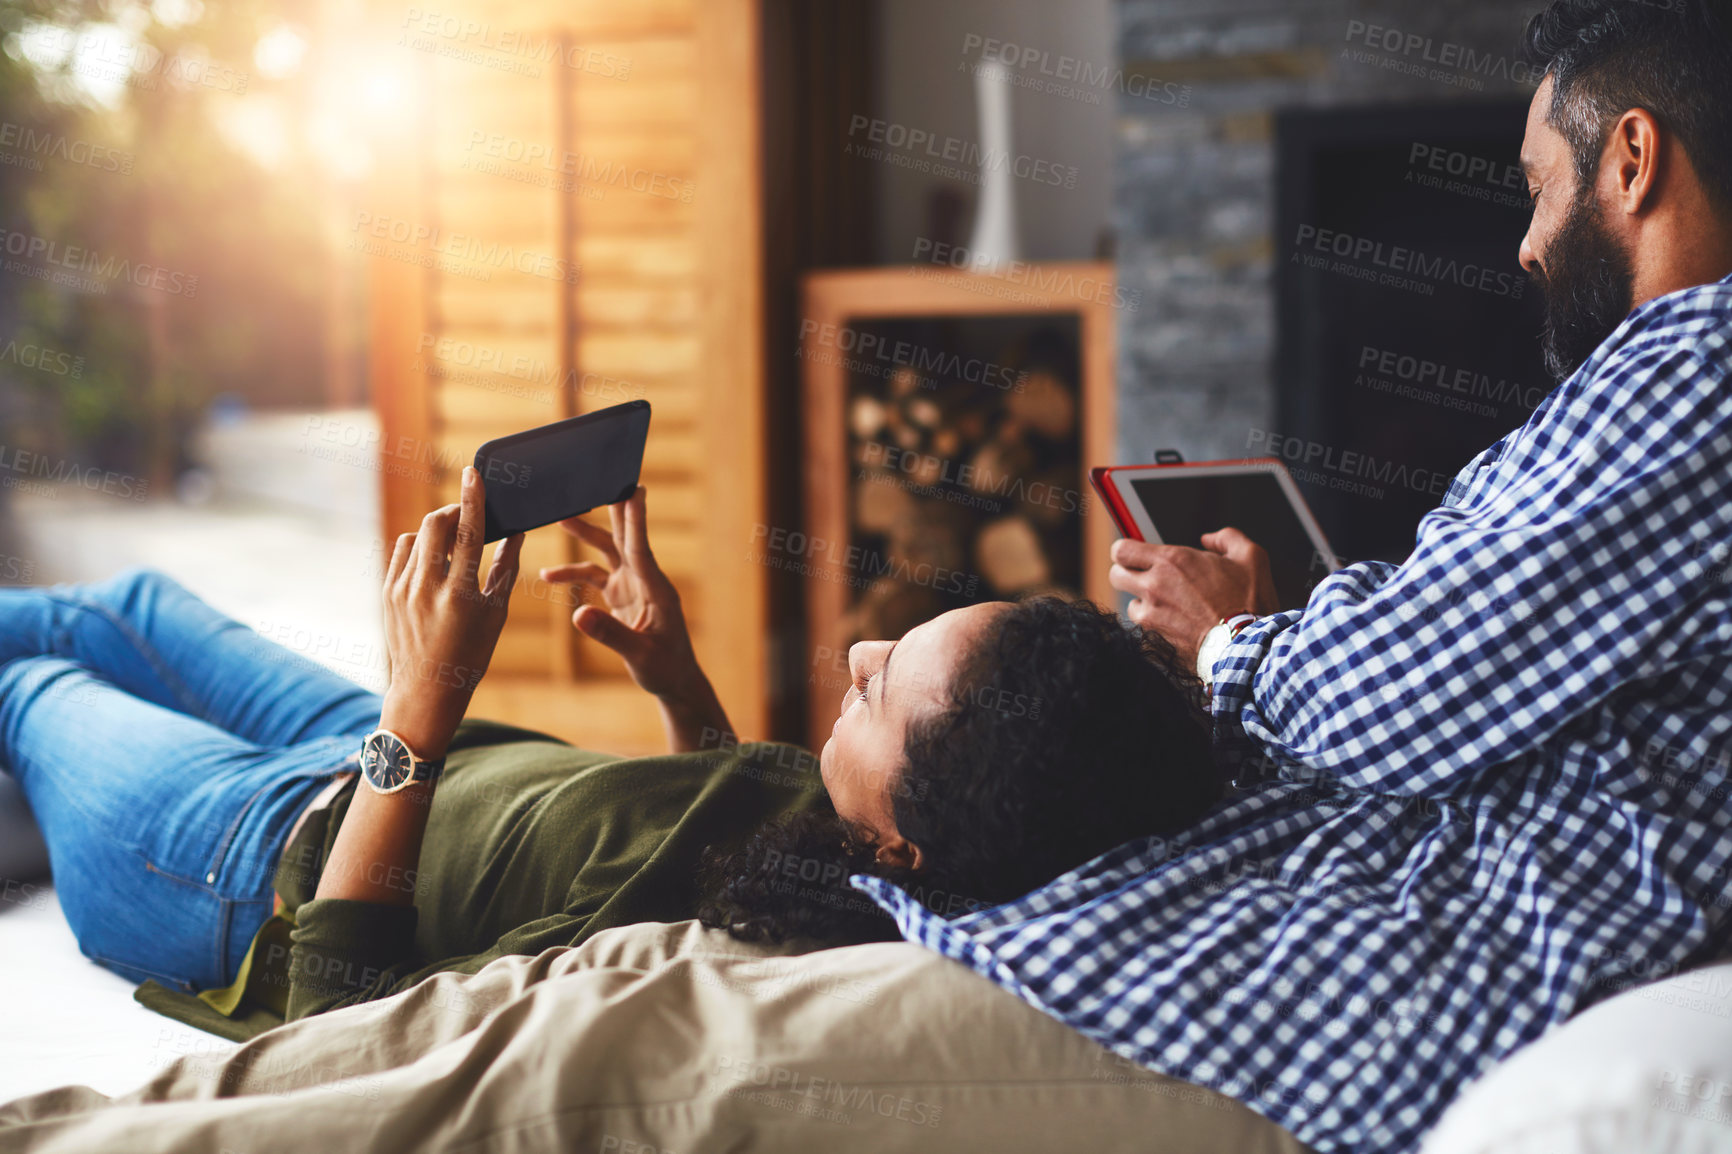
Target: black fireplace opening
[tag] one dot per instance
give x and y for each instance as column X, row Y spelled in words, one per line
column 1407, row 334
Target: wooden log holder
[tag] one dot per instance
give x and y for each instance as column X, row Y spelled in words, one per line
column 933, row 481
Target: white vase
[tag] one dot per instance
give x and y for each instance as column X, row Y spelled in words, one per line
column 994, row 243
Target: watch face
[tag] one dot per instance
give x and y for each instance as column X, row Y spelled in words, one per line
column 386, row 762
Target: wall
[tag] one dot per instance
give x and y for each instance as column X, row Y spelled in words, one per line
column 1193, row 200
column 925, row 49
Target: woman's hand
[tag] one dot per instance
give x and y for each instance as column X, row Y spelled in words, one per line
column 643, row 622
column 441, row 621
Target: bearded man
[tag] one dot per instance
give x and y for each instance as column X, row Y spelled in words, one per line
column 1431, row 878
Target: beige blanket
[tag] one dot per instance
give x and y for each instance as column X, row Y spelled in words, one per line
column 658, row 1038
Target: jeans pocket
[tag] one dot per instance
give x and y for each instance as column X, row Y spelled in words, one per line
column 192, row 842
column 141, row 921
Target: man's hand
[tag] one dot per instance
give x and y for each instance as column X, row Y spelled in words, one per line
column 1182, row 593
column 441, row 622
column 643, row 622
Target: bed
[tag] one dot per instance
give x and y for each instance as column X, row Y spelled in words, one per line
column 651, row 1038
column 656, row 1037
column 67, row 1021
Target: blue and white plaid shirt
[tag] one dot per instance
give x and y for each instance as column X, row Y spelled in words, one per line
column 1501, row 787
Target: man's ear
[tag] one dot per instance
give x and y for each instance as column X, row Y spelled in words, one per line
column 1634, row 146
column 901, row 853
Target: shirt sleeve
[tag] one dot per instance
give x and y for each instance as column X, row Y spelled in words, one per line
column 346, row 952
column 1521, row 607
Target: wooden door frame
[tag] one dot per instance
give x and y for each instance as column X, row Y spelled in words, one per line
column 730, row 231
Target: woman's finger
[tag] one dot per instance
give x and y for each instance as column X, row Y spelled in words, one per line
column 399, row 558
column 636, row 534
column 616, row 520
column 502, row 574
column 593, row 535
column 580, row 573
column 600, row 625
column 471, row 528
column 433, row 542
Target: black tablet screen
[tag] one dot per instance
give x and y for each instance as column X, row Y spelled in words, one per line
column 1183, row 508
column 560, row 470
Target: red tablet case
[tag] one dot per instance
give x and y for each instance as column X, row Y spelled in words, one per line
column 1101, row 477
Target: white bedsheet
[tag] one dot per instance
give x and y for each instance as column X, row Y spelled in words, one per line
column 64, row 1020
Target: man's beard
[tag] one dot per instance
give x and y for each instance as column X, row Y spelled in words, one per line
column 1590, row 288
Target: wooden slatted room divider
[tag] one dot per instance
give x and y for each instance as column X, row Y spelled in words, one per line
column 580, row 194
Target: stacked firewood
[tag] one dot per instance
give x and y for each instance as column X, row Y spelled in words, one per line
column 962, row 492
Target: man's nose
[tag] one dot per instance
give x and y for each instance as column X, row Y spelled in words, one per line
column 1526, row 255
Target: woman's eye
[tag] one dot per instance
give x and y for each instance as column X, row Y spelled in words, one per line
column 863, row 684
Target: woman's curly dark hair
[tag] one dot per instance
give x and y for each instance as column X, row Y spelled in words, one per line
column 1066, row 734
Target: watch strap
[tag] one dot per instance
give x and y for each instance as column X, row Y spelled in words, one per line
column 1215, row 643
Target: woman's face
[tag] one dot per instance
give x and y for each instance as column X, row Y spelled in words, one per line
column 896, row 684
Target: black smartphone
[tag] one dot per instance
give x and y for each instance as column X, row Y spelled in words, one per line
column 543, row 475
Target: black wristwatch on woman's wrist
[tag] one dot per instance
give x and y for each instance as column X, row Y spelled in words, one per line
column 389, row 765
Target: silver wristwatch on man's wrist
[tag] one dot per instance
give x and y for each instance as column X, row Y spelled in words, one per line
column 1215, row 643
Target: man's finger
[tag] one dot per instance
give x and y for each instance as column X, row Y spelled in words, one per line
column 1146, row 555
column 1132, row 581
column 602, row 626
column 433, row 542
column 580, row 573
column 1229, row 542
column 471, row 528
column 502, row 574
column 593, row 535
column 1133, row 554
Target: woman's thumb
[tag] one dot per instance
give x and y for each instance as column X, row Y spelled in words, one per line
column 602, row 626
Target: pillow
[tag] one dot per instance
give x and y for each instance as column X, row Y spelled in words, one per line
column 22, row 853
column 1650, row 1069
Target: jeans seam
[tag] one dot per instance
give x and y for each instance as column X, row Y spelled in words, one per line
column 171, row 980
column 225, row 919
column 226, row 843
column 221, row 853
column 186, row 705
column 169, row 678
column 191, row 883
column 183, row 696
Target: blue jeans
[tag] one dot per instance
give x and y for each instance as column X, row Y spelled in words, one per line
column 166, row 751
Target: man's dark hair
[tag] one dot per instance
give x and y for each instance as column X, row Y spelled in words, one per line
column 1671, row 57
column 1066, row 734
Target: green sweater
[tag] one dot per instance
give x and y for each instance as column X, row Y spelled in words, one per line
column 530, row 845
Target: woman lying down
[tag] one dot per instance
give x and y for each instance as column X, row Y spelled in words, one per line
column 182, row 768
